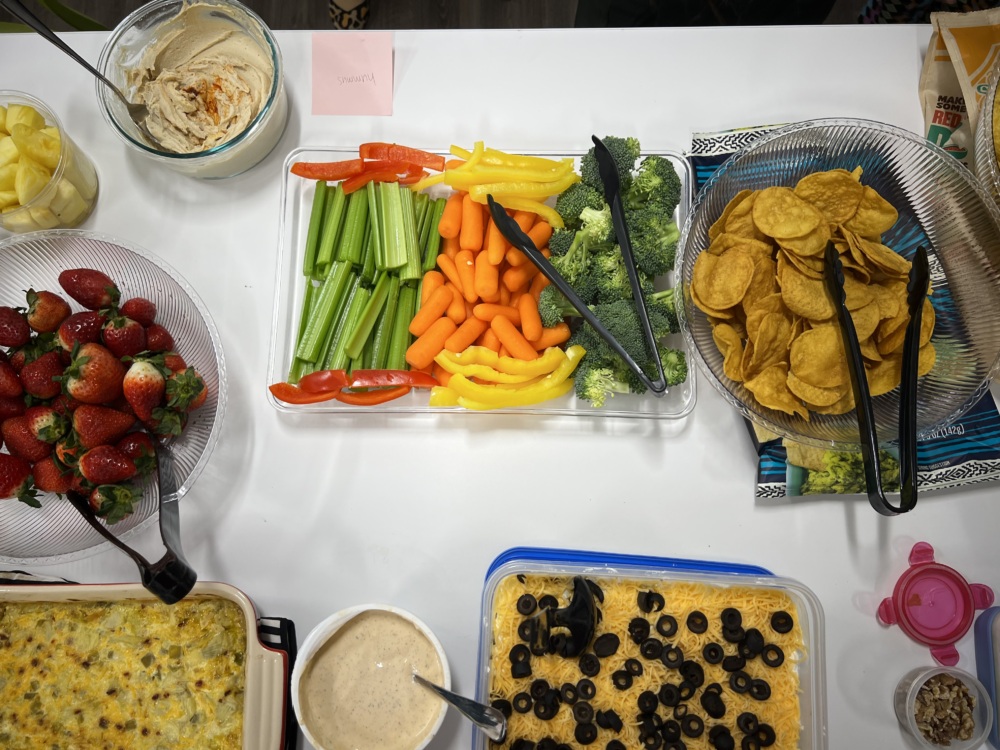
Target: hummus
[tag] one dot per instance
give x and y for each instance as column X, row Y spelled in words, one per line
column 203, row 79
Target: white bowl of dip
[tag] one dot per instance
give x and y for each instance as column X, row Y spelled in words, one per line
column 352, row 685
column 210, row 73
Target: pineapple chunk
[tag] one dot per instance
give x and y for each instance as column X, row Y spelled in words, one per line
column 30, row 180
column 34, row 143
column 67, row 204
column 51, row 130
column 80, row 171
column 8, row 198
column 3, row 119
column 22, row 113
column 8, row 151
column 7, row 174
column 14, row 219
column 44, row 217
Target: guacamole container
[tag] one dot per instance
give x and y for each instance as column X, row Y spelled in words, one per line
column 608, row 568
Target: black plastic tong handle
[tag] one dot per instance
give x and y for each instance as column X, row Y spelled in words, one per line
column 170, row 578
column 916, row 292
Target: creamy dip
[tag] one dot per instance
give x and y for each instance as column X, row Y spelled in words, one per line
column 203, row 80
column 357, row 693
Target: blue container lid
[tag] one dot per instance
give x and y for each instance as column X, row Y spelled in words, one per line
column 987, row 632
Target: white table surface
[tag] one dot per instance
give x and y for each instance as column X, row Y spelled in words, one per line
column 312, row 514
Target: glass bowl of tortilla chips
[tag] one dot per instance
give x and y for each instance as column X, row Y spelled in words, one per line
column 756, row 312
column 987, row 141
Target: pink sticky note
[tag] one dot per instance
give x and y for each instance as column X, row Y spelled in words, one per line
column 352, row 73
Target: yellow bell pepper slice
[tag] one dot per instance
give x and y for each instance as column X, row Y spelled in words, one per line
column 471, row 160
column 524, row 204
column 553, row 384
column 461, row 177
column 453, row 362
column 519, row 399
column 442, row 396
column 523, row 188
column 495, row 156
column 434, row 179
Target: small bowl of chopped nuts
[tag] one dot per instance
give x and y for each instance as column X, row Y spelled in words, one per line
column 943, row 707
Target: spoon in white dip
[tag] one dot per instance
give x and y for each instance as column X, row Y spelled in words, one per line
column 137, row 112
column 489, row 719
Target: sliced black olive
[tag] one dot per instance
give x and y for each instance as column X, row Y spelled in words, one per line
column 538, row 689
column 521, row 578
column 503, row 706
column 585, row 733
column 671, row 730
column 519, row 653
column 548, row 602
column 675, row 745
column 724, row 741
column 633, row 667
column 693, row 672
column 568, row 693
column 752, row 644
column 563, row 746
column 713, row 653
column 713, row 705
column 596, row 590
column 650, row 601
column 638, row 629
column 713, row 687
column 647, row 702
column 750, row 742
column 606, row 645
column 666, row 626
column 782, row 622
column 522, row 703
column 586, row 689
column 733, row 663
column 652, row 741
column 547, row 743
column 546, row 710
column 747, row 722
column 739, row 682
column 672, row 657
column 621, row 679
column 680, row 710
column 520, row 669
column 717, row 731
column 692, row 725
column 615, row 745
column 650, row 723
column 583, row 712
column 651, row 648
column 590, row 665
column 669, row 694
column 733, row 635
column 697, row 622
column 760, row 690
column 526, row 604
column 772, row 655
column 686, row 690
column 611, row 720
column 558, row 644
column 522, row 744
column 527, row 630
column 765, row 735
column 731, row 618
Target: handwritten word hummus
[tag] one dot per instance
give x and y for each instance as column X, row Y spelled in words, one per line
column 203, row 80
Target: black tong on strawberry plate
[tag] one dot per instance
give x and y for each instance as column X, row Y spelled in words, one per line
column 612, row 194
column 916, row 292
column 170, row 578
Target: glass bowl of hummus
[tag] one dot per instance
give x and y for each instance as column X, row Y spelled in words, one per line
column 352, row 685
column 210, row 74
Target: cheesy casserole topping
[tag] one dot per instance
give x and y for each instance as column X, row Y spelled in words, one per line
column 124, row 674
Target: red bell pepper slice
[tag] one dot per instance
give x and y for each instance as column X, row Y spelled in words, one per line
column 410, row 179
column 328, row 170
column 358, row 181
column 292, row 394
column 399, row 167
column 386, row 378
column 324, row 381
column 371, row 398
column 396, row 152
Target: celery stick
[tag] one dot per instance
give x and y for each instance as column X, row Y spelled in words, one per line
column 375, row 222
column 383, row 328
column 353, row 235
column 393, row 225
column 433, row 243
column 321, row 317
column 339, row 359
column 420, row 204
column 424, row 216
column 366, row 356
column 368, row 269
column 315, row 224
column 308, row 299
column 353, row 284
column 400, row 340
column 410, row 271
column 331, row 229
column 359, row 335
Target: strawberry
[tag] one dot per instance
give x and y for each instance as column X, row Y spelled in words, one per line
column 139, row 447
column 49, row 476
column 21, row 442
column 174, row 362
column 113, row 501
column 80, row 328
column 46, row 423
column 139, row 309
column 123, row 336
column 186, row 390
column 40, row 377
column 158, row 339
column 64, row 404
column 166, row 422
column 67, row 451
column 15, row 480
column 94, row 376
column 10, row 384
column 14, row 329
column 46, row 311
column 105, row 464
column 92, row 289
column 99, row 425
column 11, row 407
column 144, row 386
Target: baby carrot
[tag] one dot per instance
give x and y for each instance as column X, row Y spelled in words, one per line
column 503, row 351
column 537, row 285
column 525, row 220
column 457, row 308
column 432, row 280
column 515, row 257
column 488, row 312
column 466, row 334
column 504, row 295
column 487, row 280
column 519, row 276
column 540, row 233
column 496, row 244
column 451, row 220
column 450, row 246
column 489, row 340
column 423, row 351
column 465, row 264
column 512, row 339
column 531, row 322
column 471, row 233
column 558, row 334
column 448, row 268
column 440, row 374
column 436, row 306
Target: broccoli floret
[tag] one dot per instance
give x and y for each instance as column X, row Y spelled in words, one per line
column 654, row 237
column 656, row 184
column 560, row 241
column 592, row 236
column 624, row 152
column 611, row 278
column 675, row 369
column 845, row 474
column 596, row 384
column 662, row 309
column 553, row 307
column 597, row 225
column 622, row 322
column 574, row 199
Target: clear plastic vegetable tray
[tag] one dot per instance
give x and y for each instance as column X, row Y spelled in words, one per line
column 296, row 202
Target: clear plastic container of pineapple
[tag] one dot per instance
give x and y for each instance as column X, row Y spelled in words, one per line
column 46, row 181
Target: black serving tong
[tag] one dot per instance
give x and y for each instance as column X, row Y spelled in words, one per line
column 170, row 578
column 916, row 292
